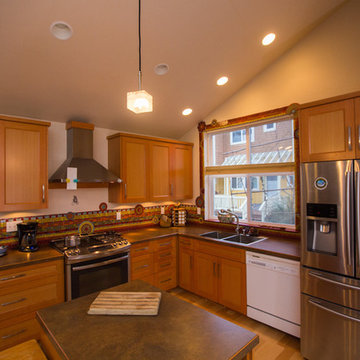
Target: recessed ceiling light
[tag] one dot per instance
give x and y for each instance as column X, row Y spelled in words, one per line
column 222, row 81
column 61, row 30
column 161, row 69
column 268, row 39
column 187, row 111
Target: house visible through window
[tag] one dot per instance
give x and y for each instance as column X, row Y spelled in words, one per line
column 255, row 180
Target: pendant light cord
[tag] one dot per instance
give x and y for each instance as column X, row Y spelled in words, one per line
column 139, row 35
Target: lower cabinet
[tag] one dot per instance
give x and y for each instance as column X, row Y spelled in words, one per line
column 155, row 262
column 23, row 290
column 186, row 264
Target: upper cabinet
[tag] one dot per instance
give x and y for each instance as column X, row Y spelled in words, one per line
column 330, row 131
column 151, row 169
column 23, row 164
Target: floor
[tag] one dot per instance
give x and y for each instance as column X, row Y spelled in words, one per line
column 274, row 344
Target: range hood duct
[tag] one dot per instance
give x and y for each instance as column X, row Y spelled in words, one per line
column 80, row 156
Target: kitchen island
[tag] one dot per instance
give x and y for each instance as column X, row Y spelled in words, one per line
column 179, row 331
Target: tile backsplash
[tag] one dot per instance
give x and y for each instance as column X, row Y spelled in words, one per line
column 59, row 225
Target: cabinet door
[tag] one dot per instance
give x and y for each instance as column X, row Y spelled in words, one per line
column 357, row 124
column 186, row 268
column 232, row 284
column 205, row 275
column 134, row 164
column 159, row 171
column 327, row 132
column 23, row 165
column 182, row 172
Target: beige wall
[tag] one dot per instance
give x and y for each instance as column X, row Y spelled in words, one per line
column 323, row 64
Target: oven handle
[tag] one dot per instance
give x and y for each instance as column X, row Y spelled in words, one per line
column 107, row 262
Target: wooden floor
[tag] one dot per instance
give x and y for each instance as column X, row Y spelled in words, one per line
column 274, row 344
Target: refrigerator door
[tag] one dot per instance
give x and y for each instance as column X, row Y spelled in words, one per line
column 357, row 215
column 327, row 216
column 328, row 331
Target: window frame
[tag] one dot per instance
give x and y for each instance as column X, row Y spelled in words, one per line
column 251, row 169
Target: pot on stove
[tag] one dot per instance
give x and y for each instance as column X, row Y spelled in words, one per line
column 72, row 240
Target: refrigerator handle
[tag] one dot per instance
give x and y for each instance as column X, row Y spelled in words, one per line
column 357, row 213
column 349, row 214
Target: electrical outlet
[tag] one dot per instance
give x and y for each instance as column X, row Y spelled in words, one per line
column 11, row 225
column 118, row 215
column 198, row 211
column 162, row 211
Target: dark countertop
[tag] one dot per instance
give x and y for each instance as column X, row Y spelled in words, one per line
column 273, row 245
column 180, row 331
column 17, row 258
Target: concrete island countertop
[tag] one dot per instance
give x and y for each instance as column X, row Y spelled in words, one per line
column 273, row 245
column 180, row 331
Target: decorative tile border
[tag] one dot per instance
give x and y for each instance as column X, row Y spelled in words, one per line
column 60, row 225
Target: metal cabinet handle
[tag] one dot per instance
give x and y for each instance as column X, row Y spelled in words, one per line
column 142, row 249
column 218, row 270
column 165, row 244
column 13, row 302
column 12, row 277
column 4, row 337
column 166, row 254
column 214, row 269
column 315, row 303
column 165, row 280
column 142, row 267
column 165, row 265
column 191, row 262
column 187, row 243
column 349, row 138
column 43, row 193
column 125, row 191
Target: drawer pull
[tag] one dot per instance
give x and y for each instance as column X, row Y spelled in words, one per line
column 164, row 265
column 13, row 302
column 167, row 254
column 12, row 277
column 165, row 244
column 162, row 281
column 185, row 243
column 142, row 267
column 4, row 337
column 142, row 249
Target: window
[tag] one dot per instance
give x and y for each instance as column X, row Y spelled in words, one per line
column 239, row 136
column 269, row 127
column 255, row 180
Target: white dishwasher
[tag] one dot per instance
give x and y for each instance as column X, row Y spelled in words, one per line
column 273, row 291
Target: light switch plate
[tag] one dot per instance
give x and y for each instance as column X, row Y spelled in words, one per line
column 11, row 225
column 118, row 215
column 162, row 211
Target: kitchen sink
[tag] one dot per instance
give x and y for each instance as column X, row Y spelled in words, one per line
column 217, row 235
column 235, row 238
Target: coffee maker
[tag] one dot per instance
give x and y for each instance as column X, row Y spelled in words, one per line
column 27, row 236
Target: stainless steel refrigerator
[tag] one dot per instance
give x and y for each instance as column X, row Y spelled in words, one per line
column 330, row 271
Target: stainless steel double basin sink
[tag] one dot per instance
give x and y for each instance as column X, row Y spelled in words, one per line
column 234, row 238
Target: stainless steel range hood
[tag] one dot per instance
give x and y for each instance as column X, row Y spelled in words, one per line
column 80, row 156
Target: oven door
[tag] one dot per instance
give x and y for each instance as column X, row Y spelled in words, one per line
column 95, row 275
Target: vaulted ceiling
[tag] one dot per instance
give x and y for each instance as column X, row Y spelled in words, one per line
column 87, row 77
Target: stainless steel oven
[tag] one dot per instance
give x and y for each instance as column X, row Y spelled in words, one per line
column 95, row 263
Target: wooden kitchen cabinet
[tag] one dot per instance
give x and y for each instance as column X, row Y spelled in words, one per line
column 23, row 164
column 24, row 290
column 329, row 131
column 151, row 169
column 186, row 264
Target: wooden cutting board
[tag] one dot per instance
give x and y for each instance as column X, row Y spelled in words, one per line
column 125, row 303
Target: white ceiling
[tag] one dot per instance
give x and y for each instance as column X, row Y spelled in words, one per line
column 89, row 75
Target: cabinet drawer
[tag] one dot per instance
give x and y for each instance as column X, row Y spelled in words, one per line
column 141, row 266
column 165, row 254
column 186, row 242
column 225, row 251
column 28, row 300
column 167, row 243
column 13, row 334
column 14, row 279
column 166, row 280
column 165, row 264
column 142, row 248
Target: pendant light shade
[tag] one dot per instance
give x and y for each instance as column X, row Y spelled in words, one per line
column 139, row 101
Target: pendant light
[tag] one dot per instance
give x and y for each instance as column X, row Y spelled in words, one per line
column 139, row 101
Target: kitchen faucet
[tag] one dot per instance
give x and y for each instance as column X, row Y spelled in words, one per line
column 233, row 214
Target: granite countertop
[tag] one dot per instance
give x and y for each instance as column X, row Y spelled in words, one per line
column 273, row 245
column 17, row 258
column 180, row 331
